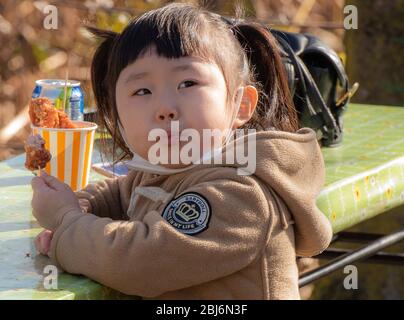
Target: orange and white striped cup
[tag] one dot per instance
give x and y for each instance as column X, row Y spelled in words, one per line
column 71, row 151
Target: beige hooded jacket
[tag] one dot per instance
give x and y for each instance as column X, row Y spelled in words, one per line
column 206, row 233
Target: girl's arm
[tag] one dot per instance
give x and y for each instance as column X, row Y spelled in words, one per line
column 103, row 198
column 107, row 198
column 150, row 257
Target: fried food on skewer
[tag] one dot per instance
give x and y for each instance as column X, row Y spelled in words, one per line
column 36, row 155
column 43, row 114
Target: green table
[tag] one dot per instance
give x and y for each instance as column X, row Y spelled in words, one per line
column 364, row 177
column 365, row 174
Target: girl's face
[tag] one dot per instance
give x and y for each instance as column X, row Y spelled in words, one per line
column 154, row 91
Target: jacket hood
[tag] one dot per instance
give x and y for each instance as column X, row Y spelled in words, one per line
column 292, row 166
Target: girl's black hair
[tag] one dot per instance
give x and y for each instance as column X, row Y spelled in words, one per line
column 251, row 57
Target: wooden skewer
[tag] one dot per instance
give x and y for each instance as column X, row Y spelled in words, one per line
column 349, row 94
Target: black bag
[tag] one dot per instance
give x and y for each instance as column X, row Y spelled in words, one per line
column 314, row 73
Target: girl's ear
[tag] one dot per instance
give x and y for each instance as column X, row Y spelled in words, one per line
column 247, row 106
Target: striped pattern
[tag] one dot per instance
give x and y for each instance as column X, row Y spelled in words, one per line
column 71, row 152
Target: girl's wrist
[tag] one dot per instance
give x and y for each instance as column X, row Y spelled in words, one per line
column 60, row 218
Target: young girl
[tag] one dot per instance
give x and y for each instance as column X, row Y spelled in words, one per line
column 200, row 231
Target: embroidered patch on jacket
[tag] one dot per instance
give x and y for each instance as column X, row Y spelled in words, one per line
column 189, row 213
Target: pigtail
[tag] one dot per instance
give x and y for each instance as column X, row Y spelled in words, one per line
column 99, row 66
column 275, row 106
column 107, row 116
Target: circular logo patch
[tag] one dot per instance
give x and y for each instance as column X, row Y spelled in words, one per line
column 189, row 213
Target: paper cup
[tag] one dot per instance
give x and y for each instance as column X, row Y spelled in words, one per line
column 71, row 151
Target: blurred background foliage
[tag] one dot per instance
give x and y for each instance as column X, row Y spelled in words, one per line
column 29, row 52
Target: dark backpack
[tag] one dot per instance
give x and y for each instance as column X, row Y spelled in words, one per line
column 314, row 73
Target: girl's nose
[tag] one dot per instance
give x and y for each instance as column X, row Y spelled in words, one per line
column 167, row 115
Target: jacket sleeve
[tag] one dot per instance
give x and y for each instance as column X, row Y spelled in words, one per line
column 150, row 257
column 106, row 197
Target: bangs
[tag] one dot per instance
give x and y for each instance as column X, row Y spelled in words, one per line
column 173, row 35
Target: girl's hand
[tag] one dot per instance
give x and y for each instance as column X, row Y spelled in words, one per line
column 85, row 205
column 52, row 200
column 43, row 242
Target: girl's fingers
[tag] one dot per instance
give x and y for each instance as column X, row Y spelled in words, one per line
column 47, row 242
column 38, row 244
column 84, row 205
column 38, row 183
column 52, row 182
column 46, row 180
column 45, row 245
column 43, row 241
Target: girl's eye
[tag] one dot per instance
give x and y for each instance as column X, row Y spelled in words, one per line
column 187, row 83
column 141, row 91
column 184, row 84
